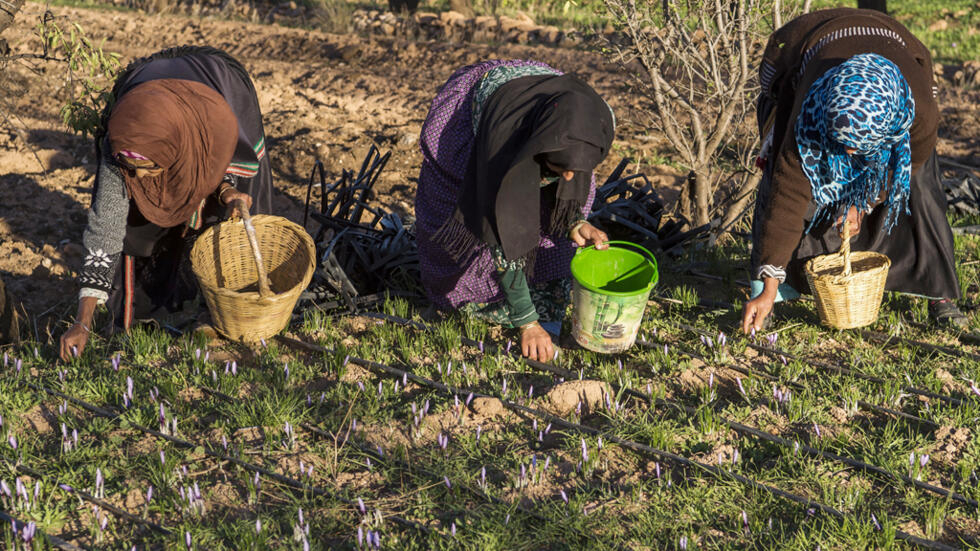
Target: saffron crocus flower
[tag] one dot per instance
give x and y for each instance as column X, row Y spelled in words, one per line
column 452, row 530
column 115, row 362
column 149, row 495
column 258, row 526
column 816, row 429
column 564, row 496
column 469, row 399
column 446, row 480
column 12, row 440
column 923, row 460
column 741, row 388
column 187, row 539
column 483, row 476
column 771, row 338
column 360, row 536
column 722, row 339
column 478, row 429
column 361, row 507
column 875, row 521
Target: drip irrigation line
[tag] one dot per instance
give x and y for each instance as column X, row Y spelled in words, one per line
column 316, row 490
column 886, row 339
column 964, row 336
column 398, row 462
column 96, row 501
column 642, row 449
column 857, row 463
column 54, row 541
column 777, row 352
column 737, row 427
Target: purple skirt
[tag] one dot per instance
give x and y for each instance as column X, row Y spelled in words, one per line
column 447, row 141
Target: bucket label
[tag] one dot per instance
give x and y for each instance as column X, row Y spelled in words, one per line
column 605, row 323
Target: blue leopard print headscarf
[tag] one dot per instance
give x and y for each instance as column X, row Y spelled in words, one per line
column 864, row 104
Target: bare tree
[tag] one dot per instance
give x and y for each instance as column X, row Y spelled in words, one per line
column 697, row 75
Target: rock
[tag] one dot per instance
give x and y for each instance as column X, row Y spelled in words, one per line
column 425, row 18
column 450, row 18
column 485, row 22
column 408, row 138
column 564, row 398
column 488, row 407
column 525, row 18
column 462, row 7
column 508, row 24
column 387, row 29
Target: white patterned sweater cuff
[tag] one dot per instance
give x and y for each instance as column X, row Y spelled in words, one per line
column 768, row 270
column 97, row 294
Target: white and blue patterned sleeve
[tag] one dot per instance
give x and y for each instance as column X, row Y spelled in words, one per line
column 104, row 234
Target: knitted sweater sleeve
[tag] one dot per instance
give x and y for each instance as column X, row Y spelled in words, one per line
column 104, row 234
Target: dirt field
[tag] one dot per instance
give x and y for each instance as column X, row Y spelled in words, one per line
column 324, row 96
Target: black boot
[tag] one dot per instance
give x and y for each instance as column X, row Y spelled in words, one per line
column 945, row 313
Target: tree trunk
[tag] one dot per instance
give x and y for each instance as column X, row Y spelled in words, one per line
column 684, row 200
column 873, row 5
column 8, row 9
column 701, row 193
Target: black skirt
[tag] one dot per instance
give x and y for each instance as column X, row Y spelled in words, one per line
column 920, row 245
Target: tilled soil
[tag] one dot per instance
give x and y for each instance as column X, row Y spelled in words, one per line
column 324, row 96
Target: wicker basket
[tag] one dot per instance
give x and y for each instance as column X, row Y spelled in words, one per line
column 848, row 286
column 225, row 267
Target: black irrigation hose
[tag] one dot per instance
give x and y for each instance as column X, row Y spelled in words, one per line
column 223, row 457
column 635, row 446
column 54, row 541
column 777, row 352
column 401, row 464
column 96, row 501
column 886, row 339
column 869, row 467
column 737, row 427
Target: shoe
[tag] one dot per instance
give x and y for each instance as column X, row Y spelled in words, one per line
column 945, row 313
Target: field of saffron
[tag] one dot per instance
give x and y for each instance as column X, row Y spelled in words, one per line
column 386, row 430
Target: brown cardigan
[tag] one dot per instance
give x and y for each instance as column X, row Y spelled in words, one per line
column 797, row 55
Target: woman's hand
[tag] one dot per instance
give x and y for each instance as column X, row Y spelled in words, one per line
column 757, row 309
column 73, row 341
column 76, row 337
column 230, row 195
column 854, row 217
column 536, row 343
column 585, row 234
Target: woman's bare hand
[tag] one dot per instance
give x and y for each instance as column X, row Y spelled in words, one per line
column 585, row 234
column 536, row 343
column 231, row 195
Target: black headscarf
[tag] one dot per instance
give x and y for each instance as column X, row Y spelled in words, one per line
column 527, row 121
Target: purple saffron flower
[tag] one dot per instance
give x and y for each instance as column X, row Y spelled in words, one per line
column 469, row 399
column 480, row 346
column 446, row 480
column 404, row 379
column 452, row 530
column 771, row 338
column 258, row 526
column 507, row 350
column 912, row 459
column 376, row 540
column 149, row 495
column 711, row 380
column 564, row 496
column 816, row 429
column 115, row 362
column 585, row 453
column 483, row 475
column 741, row 388
column 360, row 536
column 923, row 460
column 478, row 429
column 722, row 339
column 683, row 543
column 361, row 507
column 875, row 521
column 12, row 440
column 187, row 539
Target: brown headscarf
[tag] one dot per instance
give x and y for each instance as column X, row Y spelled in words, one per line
column 184, row 127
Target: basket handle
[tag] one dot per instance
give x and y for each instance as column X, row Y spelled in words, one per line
column 845, row 247
column 264, row 290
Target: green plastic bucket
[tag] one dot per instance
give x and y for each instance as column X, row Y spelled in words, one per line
column 609, row 294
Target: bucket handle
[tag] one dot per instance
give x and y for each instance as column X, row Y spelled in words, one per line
column 642, row 249
column 264, row 290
